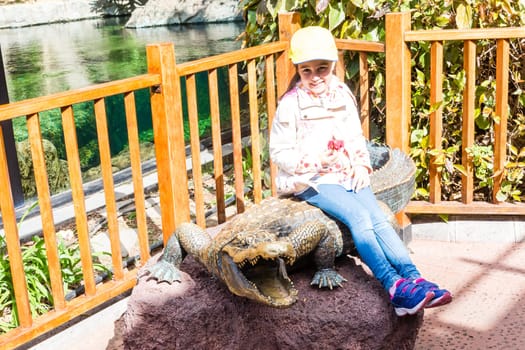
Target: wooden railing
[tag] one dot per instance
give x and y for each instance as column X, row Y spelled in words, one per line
column 122, row 280
column 164, row 78
column 398, row 38
column 177, row 203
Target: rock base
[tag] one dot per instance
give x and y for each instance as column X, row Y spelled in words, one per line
column 200, row 313
column 168, row 12
column 44, row 12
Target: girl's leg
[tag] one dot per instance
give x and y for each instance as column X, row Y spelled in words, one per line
column 346, row 207
column 396, row 251
column 393, row 247
column 380, row 247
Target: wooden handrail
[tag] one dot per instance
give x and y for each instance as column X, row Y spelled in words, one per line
column 168, row 128
column 75, row 308
column 68, row 98
column 107, row 179
column 477, row 208
column 359, row 45
column 464, row 34
column 136, row 170
column 229, row 58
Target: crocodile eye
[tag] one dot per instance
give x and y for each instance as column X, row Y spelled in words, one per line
column 252, row 239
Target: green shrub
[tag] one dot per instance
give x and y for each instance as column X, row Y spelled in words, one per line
column 38, row 280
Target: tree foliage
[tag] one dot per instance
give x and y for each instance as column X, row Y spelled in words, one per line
column 364, row 19
column 117, row 7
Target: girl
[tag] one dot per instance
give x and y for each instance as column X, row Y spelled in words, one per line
column 318, row 145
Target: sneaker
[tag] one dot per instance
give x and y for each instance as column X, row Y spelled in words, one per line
column 409, row 298
column 441, row 296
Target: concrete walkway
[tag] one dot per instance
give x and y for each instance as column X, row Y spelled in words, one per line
column 488, row 284
column 486, row 279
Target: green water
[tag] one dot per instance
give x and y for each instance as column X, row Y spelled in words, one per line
column 42, row 60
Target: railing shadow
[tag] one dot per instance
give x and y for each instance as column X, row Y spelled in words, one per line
column 488, row 284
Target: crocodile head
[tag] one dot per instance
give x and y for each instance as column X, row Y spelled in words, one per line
column 253, row 265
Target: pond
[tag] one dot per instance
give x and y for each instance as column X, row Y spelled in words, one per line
column 43, row 60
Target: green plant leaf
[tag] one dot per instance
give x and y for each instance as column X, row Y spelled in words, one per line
column 461, row 169
column 435, row 106
column 463, row 16
column 444, row 217
column 500, row 196
column 336, row 16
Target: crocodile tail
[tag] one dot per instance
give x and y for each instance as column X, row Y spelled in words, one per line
column 393, row 178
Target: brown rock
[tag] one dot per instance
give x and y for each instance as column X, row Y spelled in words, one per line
column 200, row 313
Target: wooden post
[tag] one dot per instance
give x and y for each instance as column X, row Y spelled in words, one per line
column 168, row 129
column 502, row 105
column 12, row 241
column 9, row 143
column 398, row 93
column 436, row 122
column 364, row 96
column 397, row 81
column 289, row 23
column 46, row 210
column 468, row 124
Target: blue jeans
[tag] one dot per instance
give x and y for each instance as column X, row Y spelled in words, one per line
column 376, row 241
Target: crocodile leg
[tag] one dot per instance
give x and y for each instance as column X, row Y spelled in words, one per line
column 315, row 237
column 187, row 238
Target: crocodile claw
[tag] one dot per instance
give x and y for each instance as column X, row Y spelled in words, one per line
column 328, row 278
column 163, row 271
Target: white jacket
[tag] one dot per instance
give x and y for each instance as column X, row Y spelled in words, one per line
column 306, row 126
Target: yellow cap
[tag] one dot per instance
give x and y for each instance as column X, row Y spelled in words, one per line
column 312, row 43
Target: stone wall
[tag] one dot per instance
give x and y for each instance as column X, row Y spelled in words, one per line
column 166, row 12
column 43, row 12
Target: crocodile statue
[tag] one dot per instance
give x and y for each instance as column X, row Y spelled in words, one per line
column 252, row 251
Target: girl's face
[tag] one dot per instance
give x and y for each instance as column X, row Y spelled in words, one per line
column 316, row 75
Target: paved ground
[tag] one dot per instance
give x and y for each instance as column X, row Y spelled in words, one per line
column 488, row 283
column 487, row 280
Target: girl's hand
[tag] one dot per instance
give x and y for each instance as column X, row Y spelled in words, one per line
column 328, row 158
column 361, row 178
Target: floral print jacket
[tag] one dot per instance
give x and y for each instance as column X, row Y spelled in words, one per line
column 305, row 127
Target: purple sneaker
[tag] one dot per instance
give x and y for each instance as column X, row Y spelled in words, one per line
column 409, row 298
column 441, row 296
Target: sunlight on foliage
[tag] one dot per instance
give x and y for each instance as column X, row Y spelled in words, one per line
column 365, row 19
